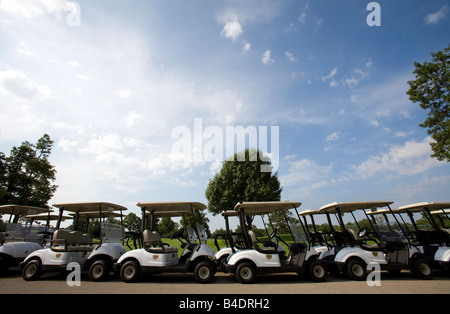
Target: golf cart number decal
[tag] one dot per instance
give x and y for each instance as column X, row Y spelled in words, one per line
column 58, row 255
column 269, row 257
column 375, row 254
column 155, row 257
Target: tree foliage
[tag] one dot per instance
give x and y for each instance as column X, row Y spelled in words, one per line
column 431, row 90
column 27, row 176
column 240, row 181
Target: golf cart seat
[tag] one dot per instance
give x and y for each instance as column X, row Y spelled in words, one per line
column 73, row 240
column 153, row 244
column 264, row 249
column 297, row 247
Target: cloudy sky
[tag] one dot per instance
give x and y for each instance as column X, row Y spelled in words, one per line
column 123, row 87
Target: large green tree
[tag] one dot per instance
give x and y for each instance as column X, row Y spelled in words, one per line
column 431, row 89
column 27, row 176
column 240, row 181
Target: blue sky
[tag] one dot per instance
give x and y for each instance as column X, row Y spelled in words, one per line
column 112, row 82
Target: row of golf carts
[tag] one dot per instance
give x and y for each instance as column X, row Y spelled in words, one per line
column 384, row 239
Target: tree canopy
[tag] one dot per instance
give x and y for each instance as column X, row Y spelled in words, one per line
column 431, row 89
column 27, row 176
column 240, row 181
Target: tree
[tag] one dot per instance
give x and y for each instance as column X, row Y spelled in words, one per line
column 167, row 227
column 26, row 176
column 132, row 222
column 431, row 90
column 240, row 181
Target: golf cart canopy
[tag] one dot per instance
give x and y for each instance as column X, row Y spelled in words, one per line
column 259, row 208
column 21, row 210
column 90, row 207
column 352, row 206
column 171, row 209
column 418, row 207
column 49, row 216
column 310, row 212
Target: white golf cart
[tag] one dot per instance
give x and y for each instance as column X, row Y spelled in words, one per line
column 21, row 237
column 434, row 239
column 95, row 255
column 158, row 257
column 234, row 241
column 355, row 248
column 264, row 257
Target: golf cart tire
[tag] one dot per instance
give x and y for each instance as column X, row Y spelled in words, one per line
column 317, row 271
column 245, row 273
column 204, row 272
column 356, row 270
column 32, row 270
column 422, row 268
column 99, row 270
column 130, row 271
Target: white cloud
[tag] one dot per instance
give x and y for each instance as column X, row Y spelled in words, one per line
column 334, row 136
column 33, row 8
column 406, row 160
column 290, row 56
column 434, row 18
column 266, row 58
column 247, row 47
column 232, row 29
column 331, row 75
column 132, row 117
column 17, row 84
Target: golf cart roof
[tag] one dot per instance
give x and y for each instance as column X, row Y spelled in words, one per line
column 258, row 208
column 417, row 207
column 171, row 209
column 352, row 206
column 230, row 213
column 89, row 207
column 381, row 211
column 310, row 212
column 95, row 214
column 22, row 210
column 437, row 212
column 51, row 216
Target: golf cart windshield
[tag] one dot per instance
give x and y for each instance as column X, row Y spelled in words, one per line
column 389, row 231
column 24, row 233
column 112, row 233
column 298, row 233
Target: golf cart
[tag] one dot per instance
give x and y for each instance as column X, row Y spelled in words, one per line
column 354, row 249
column 234, row 241
column 158, row 257
column 95, row 252
column 434, row 238
column 20, row 238
column 260, row 257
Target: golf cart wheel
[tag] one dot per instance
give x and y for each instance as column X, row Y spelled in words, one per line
column 317, row 271
column 245, row 273
column 356, row 270
column 130, row 271
column 32, row 270
column 99, row 270
column 204, row 272
column 422, row 269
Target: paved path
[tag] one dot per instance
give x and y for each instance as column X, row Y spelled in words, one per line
column 403, row 283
